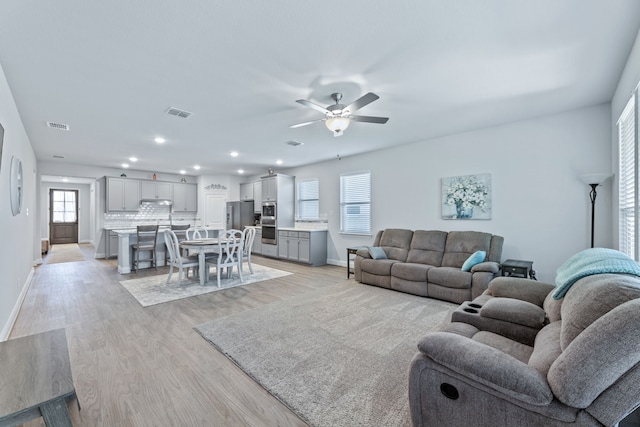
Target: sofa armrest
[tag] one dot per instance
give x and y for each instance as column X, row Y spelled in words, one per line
column 519, row 288
column 364, row 253
column 488, row 366
column 487, row 267
column 514, row 311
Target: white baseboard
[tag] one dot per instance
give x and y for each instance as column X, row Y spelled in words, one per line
column 337, row 262
column 6, row 331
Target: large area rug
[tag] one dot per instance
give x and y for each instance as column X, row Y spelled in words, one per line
column 338, row 356
column 69, row 252
column 153, row 290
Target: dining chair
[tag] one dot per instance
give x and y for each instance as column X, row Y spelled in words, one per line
column 182, row 230
column 249, row 237
column 230, row 244
column 193, row 233
column 147, row 236
column 176, row 259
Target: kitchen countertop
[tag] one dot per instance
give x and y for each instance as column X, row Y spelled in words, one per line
column 310, row 230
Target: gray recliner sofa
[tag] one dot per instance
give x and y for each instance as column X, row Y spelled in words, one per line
column 428, row 263
column 573, row 361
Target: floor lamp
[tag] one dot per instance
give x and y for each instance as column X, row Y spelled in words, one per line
column 594, row 180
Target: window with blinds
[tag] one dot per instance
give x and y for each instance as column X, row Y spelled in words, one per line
column 628, row 176
column 355, row 203
column 308, row 199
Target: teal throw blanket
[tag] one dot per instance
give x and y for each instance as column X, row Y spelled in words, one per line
column 589, row 262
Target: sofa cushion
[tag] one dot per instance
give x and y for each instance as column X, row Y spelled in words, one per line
column 410, row 271
column 461, row 244
column 449, row 277
column 581, row 308
column 377, row 252
column 514, row 311
column 513, row 348
column 474, row 259
column 427, row 247
column 396, row 243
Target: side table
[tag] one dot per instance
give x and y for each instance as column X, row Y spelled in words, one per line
column 352, row 251
column 35, row 379
column 518, row 268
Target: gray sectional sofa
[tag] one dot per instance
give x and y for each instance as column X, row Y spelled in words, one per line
column 428, row 263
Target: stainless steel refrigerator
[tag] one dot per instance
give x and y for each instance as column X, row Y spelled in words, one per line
column 239, row 215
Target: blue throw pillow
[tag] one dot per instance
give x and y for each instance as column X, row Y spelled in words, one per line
column 377, row 252
column 475, row 258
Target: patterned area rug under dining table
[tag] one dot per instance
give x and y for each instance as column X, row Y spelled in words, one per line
column 154, row 290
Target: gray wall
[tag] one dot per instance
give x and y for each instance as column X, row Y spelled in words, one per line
column 540, row 205
column 20, row 243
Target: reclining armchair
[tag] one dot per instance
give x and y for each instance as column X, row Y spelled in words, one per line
column 573, row 361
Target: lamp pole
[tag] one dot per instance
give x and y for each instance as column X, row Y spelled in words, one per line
column 592, row 194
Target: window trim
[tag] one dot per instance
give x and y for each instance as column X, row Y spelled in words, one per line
column 626, row 180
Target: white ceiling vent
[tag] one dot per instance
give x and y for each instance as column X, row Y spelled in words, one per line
column 294, row 143
column 55, row 125
column 178, row 112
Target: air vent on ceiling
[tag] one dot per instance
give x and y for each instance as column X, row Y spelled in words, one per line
column 55, row 125
column 57, row 156
column 294, row 143
column 178, row 112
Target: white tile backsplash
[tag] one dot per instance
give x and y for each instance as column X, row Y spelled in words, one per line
column 149, row 213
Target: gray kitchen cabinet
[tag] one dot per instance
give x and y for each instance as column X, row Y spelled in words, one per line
column 112, row 245
column 246, row 191
column 257, row 197
column 185, row 197
column 308, row 247
column 150, row 190
column 123, row 195
column 270, row 250
column 270, row 189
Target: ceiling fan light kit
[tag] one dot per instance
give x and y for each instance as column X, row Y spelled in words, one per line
column 338, row 117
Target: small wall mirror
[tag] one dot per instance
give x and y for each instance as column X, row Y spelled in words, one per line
column 16, row 186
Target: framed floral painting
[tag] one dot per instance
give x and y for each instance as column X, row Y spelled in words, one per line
column 466, row 197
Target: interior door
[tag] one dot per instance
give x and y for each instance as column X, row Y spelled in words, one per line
column 215, row 207
column 63, row 216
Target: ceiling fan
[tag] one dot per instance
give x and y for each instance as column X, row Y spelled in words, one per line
column 338, row 117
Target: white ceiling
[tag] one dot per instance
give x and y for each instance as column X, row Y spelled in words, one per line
column 111, row 69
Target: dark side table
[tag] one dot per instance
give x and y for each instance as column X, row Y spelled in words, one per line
column 518, row 268
column 352, row 251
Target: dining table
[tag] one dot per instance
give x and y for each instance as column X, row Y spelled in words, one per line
column 202, row 246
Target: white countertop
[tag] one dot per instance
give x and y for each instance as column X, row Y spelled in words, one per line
column 310, row 230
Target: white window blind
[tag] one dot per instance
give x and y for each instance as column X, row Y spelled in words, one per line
column 308, row 199
column 355, row 203
column 627, row 188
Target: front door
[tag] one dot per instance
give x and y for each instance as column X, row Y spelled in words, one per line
column 63, row 216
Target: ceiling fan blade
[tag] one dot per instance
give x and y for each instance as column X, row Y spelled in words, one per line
column 305, row 123
column 361, row 102
column 369, row 119
column 312, row 105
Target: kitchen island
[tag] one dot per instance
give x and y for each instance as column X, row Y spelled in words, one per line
column 128, row 236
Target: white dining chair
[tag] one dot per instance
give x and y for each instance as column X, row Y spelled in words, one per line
column 249, row 237
column 194, row 233
column 177, row 260
column 230, row 244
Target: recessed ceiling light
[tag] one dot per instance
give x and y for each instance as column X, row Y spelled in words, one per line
column 278, row 162
column 197, row 167
column 125, row 165
column 159, row 140
column 65, row 179
column 183, row 171
column 234, row 154
column 133, row 159
column 240, row 171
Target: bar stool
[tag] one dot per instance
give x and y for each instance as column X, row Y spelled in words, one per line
column 146, row 242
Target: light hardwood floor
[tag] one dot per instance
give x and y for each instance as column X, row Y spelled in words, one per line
column 135, row 366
